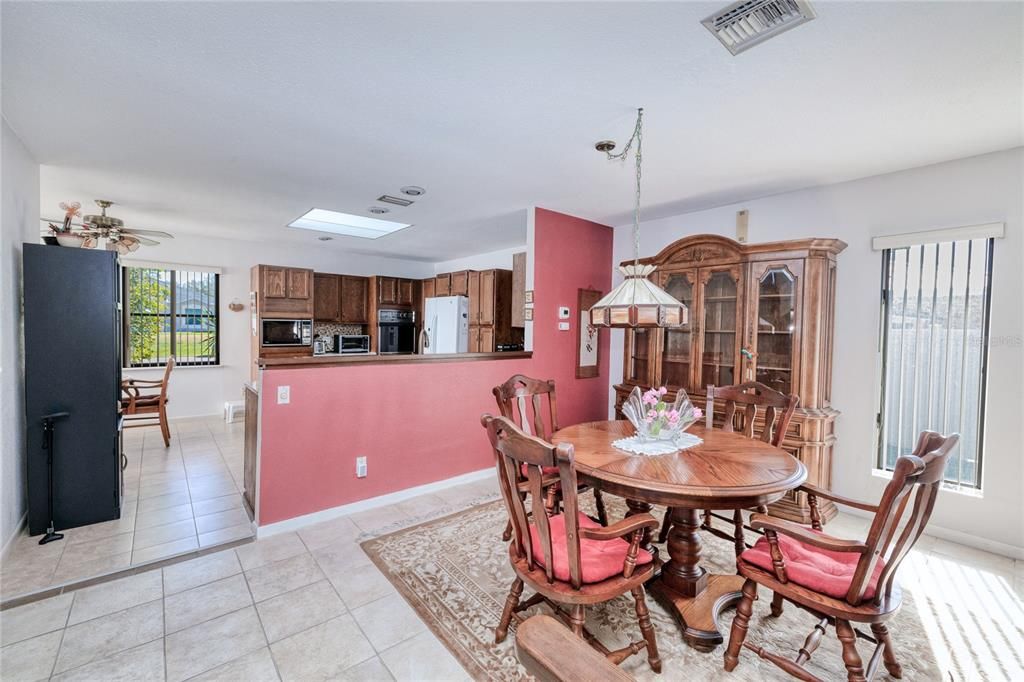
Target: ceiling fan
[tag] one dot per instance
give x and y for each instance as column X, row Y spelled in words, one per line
column 92, row 228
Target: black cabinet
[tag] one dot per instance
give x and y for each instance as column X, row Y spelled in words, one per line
column 73, row 364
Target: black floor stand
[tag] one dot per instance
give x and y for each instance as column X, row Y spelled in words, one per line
column 48, row 446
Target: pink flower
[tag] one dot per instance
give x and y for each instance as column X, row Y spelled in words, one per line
column 652, row 414
column 673, row 416
column 662, row 391
column 697, row 413
column 649, row 420
column 650, row 397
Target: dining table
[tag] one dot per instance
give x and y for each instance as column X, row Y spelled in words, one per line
column 727, row 470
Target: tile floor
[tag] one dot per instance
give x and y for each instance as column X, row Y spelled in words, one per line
column 311, row 605
column 177, row 499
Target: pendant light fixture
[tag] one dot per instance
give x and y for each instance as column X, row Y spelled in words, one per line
column 637, row 301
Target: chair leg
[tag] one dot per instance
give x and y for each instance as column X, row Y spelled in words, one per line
column 666, row 524
column 854, row 665
column 706, row 524
column 776, row 604
column 165, row 428
column 602, row 515
column 578, row 617
column 739, row 543
column 507, row 533
column 740, row 625
column 881, row 633
column 511, row 602
column 643, row 616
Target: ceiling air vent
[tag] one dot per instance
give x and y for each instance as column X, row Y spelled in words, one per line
column 397, row 201
column 742, row 25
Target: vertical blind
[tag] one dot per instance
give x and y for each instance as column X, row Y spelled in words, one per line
column 171, row 312
column 935, row 301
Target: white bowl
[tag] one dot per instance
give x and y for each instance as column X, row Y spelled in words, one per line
column 72, row 240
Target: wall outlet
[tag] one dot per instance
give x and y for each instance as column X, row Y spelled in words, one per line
column 284, row 395
column 360, row 467
column 563, row 326
column 563, row 312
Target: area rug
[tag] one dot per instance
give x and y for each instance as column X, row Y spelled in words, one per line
column 455, row 572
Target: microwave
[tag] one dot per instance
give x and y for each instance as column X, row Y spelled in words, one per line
column 352, row 343
column 287, row 333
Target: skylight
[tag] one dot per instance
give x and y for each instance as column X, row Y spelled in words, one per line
column 322, row 220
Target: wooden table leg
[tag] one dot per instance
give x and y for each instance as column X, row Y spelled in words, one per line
column 635, row 507
column 695, row 596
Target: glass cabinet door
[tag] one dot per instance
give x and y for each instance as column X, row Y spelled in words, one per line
column 676, row 363
column 720, row 327
column 638, row 349
column 777, row 309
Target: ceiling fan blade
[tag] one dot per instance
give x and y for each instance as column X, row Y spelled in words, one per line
column 151, row 233
column 146, row 241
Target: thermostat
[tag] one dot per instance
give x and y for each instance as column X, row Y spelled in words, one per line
column 563, row 312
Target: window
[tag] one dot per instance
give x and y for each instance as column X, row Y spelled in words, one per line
column 171, row 312
column 935, row 319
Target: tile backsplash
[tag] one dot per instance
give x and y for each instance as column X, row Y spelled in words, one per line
column 327, row 331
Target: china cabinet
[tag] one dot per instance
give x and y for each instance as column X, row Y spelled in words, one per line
column 759, row 312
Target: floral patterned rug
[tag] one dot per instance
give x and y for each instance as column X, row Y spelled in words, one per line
column 455, row 572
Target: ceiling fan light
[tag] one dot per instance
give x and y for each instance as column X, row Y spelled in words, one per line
column 638, row 302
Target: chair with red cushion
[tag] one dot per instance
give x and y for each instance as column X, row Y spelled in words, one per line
column 512, row 402
column 567, row 559
column 843, row 581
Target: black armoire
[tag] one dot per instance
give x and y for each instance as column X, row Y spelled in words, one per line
column 73, row 364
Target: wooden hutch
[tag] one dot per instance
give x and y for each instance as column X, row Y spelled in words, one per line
column 761, row 312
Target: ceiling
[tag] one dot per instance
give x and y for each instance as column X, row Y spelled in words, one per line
column 232, row 119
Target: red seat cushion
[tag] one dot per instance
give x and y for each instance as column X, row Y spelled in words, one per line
column 821, row 570
column 544, row 471
column 599, row 560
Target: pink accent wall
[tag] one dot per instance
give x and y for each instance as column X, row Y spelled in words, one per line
column 420, row 423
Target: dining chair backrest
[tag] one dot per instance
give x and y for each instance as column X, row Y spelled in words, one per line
column 778, row 409
column 521, row 399
column 520, row 460
column 898, row 524
column 167, row 378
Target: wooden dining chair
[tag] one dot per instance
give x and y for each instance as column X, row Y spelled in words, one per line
column 843, row 581
column 778, row 411
column 528, row 415
column 137, row 406
column 567, row 559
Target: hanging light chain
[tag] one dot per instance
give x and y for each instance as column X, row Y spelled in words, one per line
column 638, row 138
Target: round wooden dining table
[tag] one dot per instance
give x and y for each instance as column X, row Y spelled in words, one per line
column 726, row 471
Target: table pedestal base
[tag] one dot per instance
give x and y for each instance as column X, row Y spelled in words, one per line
column 698, row 616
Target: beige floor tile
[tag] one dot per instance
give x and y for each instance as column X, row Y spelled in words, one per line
column 118, row 595
column 372, row 670
column 211, row 491
column 195, row 572
column 163, row 501
column 97, row 549
column 101, row 638
column 373, row 520
column 424, row 505
column 322, row 652
column 175, row 475
column 362, row 586
column 206, row 602
column 71, row 570
column 169, row 549
column 162, row 517
column 341, row 558
column 329, row 532
column 422, row 657
column 255, row 667
column 31, row 659
column 205, row 646
column 295, row 611
column 283, row 576
column 26, row 578
column 143, row 664
column 105, row 529
column 32, row 620
column 223, row 535
column 974, row 557
column 388, row 621
column 217, row 504
column 161, row 489
column 159, row 535
column 222, row 519
column 274, row 548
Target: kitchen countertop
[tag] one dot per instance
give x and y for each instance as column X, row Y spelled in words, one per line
column 405, row 358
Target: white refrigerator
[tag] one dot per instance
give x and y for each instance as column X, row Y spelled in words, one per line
column 445, row 325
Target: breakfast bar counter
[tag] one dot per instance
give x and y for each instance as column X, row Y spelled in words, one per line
column 361, row 359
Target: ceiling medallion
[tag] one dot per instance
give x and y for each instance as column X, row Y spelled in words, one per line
column 637, row 301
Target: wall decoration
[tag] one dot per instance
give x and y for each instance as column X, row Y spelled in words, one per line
column 587, row 360
column 528, row 315
column 528, row 296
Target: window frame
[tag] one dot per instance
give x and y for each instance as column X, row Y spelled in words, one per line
column 936, row 239
column 171, row 316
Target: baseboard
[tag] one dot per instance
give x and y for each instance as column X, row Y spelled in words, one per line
column 192, row 417
column 20, row 526
column 370, row 503
column 959, row 537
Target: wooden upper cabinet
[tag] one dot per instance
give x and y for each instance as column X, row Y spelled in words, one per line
column 327, row 297
column 428, row 288
column 459, row 283
column 486, row 315
column 519, row 289
column 274, row 281
column 387, row 290
column 300, row 283
column 474, row 297
column 406, row 292
column 354, row 300
column 443, row 285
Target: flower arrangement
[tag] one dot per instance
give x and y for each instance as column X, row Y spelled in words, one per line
column 654, row 418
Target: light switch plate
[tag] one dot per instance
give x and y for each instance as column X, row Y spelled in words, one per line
column 360, row 467
column 563, row 326
column 284, row 395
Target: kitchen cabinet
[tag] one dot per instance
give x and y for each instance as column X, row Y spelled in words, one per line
column 250, row 444
column 428, row 288
column 406, row 292
column 283, row 292
column 354, row 300
column 519, row 289
column 443, row 285
column 273, row 281
column 474, row 297
column 300, row 283
column 327, row 297
column 485, row 309
column 341, row 299
column 387, row 290
column 459, row 283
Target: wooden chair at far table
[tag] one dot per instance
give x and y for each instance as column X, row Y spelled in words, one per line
column 512, row 402
column 843, row 581
column 778, row 411
column 567, row 559
column 147, row 407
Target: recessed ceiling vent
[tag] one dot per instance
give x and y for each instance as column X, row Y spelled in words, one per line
column 397, row 201
column 747, row 23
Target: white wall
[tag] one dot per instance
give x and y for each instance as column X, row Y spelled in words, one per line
column 203, row 390
column 19, row 177
column 501, row 259
column 970, row 191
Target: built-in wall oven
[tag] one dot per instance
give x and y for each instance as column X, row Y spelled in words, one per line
column 396, row 331
column 287, row 333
